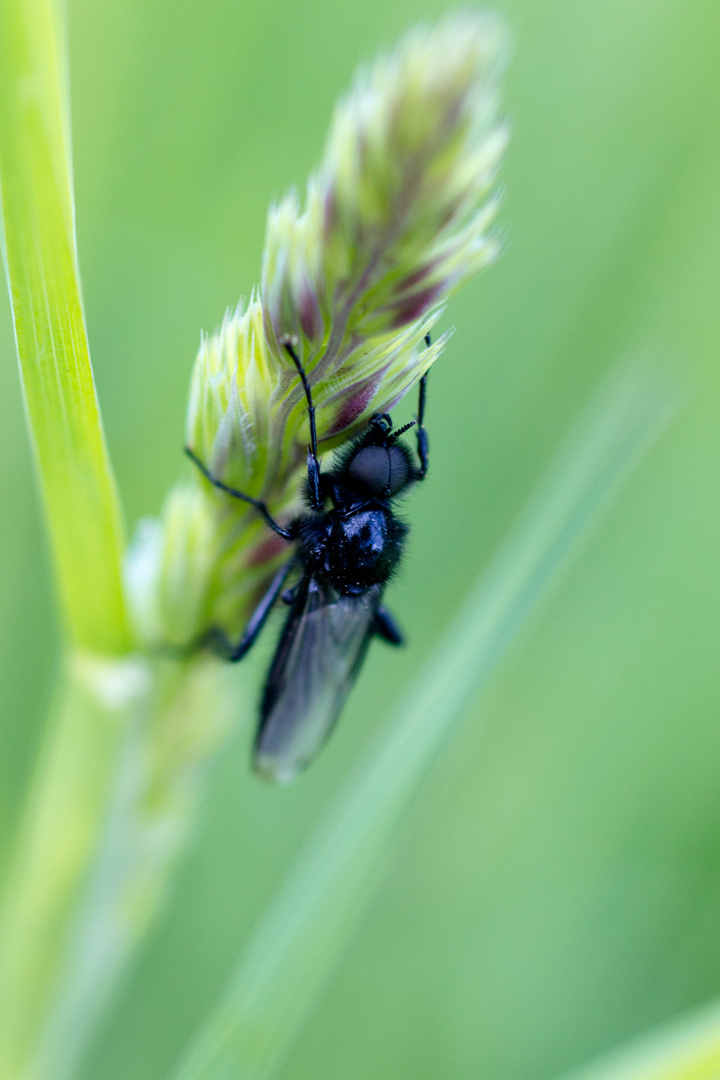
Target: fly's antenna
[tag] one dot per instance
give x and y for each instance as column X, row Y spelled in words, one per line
column 288, row 344
column 401, row 431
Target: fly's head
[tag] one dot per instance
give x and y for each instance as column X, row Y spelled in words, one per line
column 377, row 465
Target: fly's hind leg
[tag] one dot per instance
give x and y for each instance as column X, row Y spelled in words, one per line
column 218, row 640
column 385, row 627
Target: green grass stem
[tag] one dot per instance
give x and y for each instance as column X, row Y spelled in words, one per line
column 57, row 837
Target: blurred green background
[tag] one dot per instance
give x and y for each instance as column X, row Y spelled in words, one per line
column 563, row 889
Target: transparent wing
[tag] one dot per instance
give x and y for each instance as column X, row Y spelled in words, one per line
column 320, row 651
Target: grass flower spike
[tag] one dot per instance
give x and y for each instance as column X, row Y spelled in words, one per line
column 398, row 215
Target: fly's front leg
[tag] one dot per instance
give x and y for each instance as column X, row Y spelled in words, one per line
column 422, row 439
column 218, row 640
column 257, row 503
column 313, row 465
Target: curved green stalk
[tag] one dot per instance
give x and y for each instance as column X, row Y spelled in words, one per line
column 39, row 245
column 115, row 798
column 93, row 708
column 60, row 829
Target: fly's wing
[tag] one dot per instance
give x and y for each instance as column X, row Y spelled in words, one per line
column 318, row 656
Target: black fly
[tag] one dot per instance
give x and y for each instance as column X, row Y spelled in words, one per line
column 347, row 546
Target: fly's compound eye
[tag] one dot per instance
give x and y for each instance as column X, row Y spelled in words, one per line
column 379, row 469
column 399, row 469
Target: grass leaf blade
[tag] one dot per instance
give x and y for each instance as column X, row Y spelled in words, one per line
column 39, row 246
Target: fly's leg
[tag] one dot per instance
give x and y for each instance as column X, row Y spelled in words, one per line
column 219, row 642
column 386, row 628
column 257, row 503
column 422, row 439
column 313, row 465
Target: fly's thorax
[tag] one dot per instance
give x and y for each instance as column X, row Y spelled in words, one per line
column 362, row 549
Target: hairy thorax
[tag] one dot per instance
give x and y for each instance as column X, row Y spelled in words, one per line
column 355, row 551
